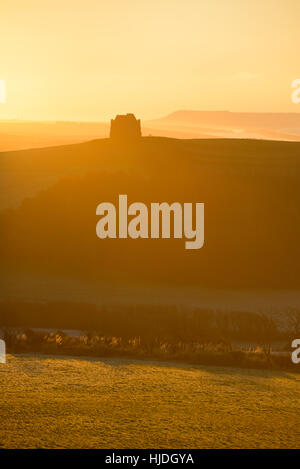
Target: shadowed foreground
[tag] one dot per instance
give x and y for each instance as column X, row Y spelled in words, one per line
column 117, row 403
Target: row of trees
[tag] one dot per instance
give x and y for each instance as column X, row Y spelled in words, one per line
column 154, row 321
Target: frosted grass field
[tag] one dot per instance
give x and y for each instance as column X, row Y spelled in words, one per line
column 63, row 402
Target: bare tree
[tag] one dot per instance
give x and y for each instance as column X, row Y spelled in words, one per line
column 294, row 321
column 266, row 333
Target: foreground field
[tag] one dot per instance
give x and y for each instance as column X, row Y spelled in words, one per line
column 48, row 402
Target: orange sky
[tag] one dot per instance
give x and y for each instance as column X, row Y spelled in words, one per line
column 91, row 59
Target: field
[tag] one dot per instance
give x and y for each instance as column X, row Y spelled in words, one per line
column 48, row 402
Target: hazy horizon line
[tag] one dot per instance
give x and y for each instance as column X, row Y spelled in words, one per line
column 14, row 119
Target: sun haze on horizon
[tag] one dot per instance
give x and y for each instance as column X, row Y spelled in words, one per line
column 90, row 60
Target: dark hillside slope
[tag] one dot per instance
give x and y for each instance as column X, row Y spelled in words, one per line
column 250, row 189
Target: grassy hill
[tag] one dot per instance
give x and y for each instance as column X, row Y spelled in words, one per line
column 16, row 135
column 252, row 218
column 90, row 403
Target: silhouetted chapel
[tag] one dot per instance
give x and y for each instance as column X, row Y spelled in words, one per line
column 125, row 127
